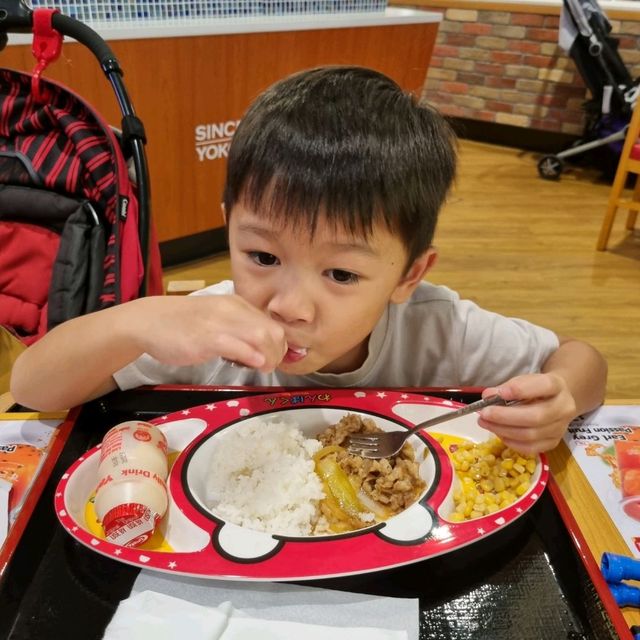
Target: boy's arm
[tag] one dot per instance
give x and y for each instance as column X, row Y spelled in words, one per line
column 572, row 382
column 584, row 370
column 75, row 361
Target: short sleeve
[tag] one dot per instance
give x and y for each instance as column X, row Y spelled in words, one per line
column 494, row 348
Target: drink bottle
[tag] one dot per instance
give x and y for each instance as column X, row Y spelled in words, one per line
column 131, row 496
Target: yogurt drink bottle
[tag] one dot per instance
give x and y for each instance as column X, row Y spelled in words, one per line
column 131, row 496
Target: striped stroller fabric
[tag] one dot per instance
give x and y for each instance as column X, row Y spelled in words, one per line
column 64, row 148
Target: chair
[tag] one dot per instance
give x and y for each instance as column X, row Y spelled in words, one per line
column 10, row 349
column 184, row 287
column 629, row 163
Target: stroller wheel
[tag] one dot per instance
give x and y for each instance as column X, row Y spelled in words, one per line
column 550, row 167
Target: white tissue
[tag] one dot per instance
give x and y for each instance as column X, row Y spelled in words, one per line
column 155, row 616
column 160, row 617
column 5, row 489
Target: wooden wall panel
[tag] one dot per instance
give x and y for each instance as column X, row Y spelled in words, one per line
column 179, row 83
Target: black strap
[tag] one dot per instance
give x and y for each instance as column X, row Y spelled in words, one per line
column 132, row 128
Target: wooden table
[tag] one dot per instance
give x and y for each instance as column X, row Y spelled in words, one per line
column 595, row 524
column 5, row 401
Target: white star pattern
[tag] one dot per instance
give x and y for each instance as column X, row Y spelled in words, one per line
column 404, row 396
column 210, row 407
column 163, row 418
column 172, row 565
column 74, row 529
column 381, row 394
column 480, row 531
column 118, row 552
column 186, row 412
column 58, row 494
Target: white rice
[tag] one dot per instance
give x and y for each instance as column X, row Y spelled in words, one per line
column 261, row 476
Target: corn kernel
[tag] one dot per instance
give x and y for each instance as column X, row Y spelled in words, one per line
column 487, row 485
column 491, row 476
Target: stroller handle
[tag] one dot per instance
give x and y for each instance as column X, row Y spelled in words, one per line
column 17, row 17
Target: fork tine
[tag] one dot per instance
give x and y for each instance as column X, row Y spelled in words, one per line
column 364, row 454
column 363, row 438
column 362, row 447
column 372, row 454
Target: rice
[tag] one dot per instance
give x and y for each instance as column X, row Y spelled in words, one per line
column 261, row 476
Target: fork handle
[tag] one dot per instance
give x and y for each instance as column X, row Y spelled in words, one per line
column 463, row 411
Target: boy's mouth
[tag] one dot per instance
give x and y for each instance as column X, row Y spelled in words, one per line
column 294, row 354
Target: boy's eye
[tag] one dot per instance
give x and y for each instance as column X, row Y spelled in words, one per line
column 263, row 259
column 343, row 277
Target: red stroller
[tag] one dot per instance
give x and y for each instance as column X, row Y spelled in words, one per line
column 75, row 229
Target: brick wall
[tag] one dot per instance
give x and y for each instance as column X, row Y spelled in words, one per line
column 507, row 68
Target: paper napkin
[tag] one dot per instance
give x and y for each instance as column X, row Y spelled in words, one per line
column 280, row 601
column 5, row 488
column 156, row 616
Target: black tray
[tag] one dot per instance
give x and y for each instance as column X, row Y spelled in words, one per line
column 528, row 581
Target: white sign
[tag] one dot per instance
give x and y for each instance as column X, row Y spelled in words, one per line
column 213, row 140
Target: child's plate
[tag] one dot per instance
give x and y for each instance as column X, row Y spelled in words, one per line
column 191, row 540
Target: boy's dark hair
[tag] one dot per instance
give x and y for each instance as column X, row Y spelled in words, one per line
column 346, row 143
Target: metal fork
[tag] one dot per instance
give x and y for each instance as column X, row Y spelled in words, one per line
column 388, row 443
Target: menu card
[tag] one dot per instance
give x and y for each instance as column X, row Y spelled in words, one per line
column 29, row 445
column 606, row 446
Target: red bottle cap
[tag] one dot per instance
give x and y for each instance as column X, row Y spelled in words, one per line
column 129, row 525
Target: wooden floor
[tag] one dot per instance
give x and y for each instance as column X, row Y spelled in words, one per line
column 525, row 247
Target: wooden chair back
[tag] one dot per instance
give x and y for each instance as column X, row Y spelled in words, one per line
column 629, row 163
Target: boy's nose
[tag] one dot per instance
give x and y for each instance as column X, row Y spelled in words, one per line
column 291, row 303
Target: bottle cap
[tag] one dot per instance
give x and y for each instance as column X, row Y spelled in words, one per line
column 625, row 595
column 130, row 524
column 616, row 567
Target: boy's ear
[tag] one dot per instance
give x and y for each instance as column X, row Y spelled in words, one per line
column 416, row 272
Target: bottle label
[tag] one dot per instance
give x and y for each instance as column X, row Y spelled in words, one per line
column 134, row 443
column 130, row 525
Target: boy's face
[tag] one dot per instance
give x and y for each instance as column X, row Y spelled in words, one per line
column 328, row 293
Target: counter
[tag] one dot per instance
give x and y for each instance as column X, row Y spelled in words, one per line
column 191, row 84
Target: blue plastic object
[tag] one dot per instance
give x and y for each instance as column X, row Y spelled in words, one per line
column 625, row 595
column 615, row 567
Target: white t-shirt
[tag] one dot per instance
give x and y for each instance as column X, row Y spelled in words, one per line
column 435, row 339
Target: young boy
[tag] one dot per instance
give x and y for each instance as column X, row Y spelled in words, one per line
column 335, row 180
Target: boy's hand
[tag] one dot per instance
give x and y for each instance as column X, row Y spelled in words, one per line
column 193, row 329
column 536, row 424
